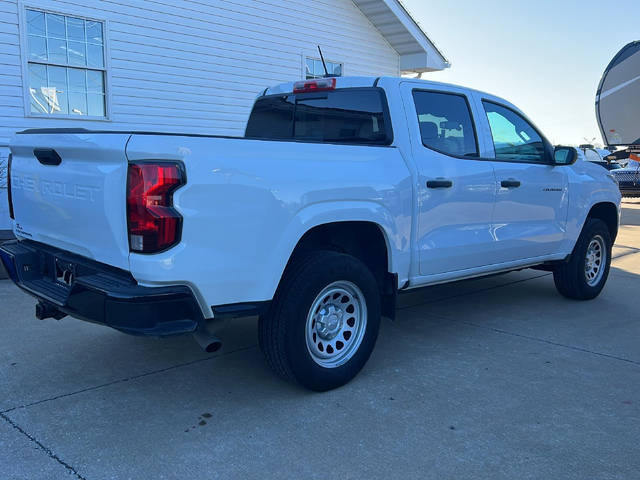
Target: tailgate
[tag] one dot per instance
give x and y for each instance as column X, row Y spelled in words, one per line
column 78, row 205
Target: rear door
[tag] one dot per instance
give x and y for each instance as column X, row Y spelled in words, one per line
column 456, row 189
column 69, row 191
column 533, row 194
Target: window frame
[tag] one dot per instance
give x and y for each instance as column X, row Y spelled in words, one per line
column 386, row 113
column 477, row 156
column 547, row 146
column 306, row 57
column 24, row 52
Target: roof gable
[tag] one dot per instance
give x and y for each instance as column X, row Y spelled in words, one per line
column 417, row 52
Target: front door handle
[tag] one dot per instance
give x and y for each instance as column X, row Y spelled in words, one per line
column 439, row 183
column 511, row 183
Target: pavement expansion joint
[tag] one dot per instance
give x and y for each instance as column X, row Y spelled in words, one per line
column 42, row 447
column 627, row 276
column 625, row 254
column 135, row 377
column 498, row 330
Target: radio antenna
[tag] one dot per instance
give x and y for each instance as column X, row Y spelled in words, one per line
column 324, row 64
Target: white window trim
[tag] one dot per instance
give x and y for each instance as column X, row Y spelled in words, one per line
column 306, row 56
column 24, row 53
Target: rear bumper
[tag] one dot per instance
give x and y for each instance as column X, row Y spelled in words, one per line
column 94, row 292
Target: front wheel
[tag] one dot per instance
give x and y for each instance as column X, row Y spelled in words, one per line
column 586, row 273
column 323, row 322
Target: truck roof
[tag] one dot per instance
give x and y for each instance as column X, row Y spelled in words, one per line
column 362, row 81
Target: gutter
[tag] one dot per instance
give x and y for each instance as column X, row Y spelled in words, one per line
column 447, row 64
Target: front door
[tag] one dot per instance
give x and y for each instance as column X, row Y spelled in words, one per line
column 456, row 190
column 533, row 198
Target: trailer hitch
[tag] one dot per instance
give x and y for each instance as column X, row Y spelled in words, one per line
column 45, row 310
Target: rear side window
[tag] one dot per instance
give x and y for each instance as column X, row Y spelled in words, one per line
column 343, row 116
column 514, row 138
column 445, row 123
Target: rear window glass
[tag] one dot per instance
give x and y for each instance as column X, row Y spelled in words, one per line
column 271, row 118
column 342, row 116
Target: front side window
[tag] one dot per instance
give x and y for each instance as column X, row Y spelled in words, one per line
column 445, row 123
column 315, row 69
column 66, row 65
column 342, row 116
column 514, row 138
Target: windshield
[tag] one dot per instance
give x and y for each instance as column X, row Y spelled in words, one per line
column 592, row 156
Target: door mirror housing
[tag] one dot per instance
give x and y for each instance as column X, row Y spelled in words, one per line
column 565, row 156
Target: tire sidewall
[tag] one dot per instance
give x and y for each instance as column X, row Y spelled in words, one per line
column 593, row 229
column 306, row 370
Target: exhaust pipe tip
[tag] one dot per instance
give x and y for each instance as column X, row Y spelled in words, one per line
column 213, row 346
column 208, row 341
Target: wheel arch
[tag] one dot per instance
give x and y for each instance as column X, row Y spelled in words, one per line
column 608, row 213
column 364, row 230
column 363, row 240
column 600, row 203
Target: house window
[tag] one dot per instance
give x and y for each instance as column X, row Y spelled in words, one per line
column 66, row 64
column 315, row 69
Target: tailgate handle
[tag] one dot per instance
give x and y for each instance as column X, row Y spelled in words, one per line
column 47, row 156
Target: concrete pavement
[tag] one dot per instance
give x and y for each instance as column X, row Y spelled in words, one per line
column 490, row 378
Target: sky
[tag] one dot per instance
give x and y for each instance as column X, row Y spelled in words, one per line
column 546, row 57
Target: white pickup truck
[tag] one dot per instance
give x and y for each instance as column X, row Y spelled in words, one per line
column 344, row 193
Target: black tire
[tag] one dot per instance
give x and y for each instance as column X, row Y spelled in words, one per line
column 282, row 330
column 570, row 278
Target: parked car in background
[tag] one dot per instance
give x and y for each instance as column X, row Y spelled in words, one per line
column 613, row 165
column 344, row 193
column 628, row 178
column 595, row 157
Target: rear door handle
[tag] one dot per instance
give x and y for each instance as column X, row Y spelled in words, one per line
column 439, row 183
column 47, row 156
column 511, row 183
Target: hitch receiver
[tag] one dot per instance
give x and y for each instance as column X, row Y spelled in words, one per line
column 45, row 310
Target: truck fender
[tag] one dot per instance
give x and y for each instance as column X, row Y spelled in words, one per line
column 312, row 216
column 579, row 208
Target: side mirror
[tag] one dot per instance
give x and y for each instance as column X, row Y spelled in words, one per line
column 565, row 156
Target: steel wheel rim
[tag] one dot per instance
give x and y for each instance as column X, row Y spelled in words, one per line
column 595, row 261
column 336, row 324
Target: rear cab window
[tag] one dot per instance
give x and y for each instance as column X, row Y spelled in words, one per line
column 357, row 116
column 446, row 124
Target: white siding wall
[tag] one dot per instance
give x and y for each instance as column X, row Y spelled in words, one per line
column 194, row 65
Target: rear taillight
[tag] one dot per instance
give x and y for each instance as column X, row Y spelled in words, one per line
column 154, row 225
column 11, row 214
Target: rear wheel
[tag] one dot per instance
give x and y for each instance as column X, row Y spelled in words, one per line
column 323, row 322
column 585, row 275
